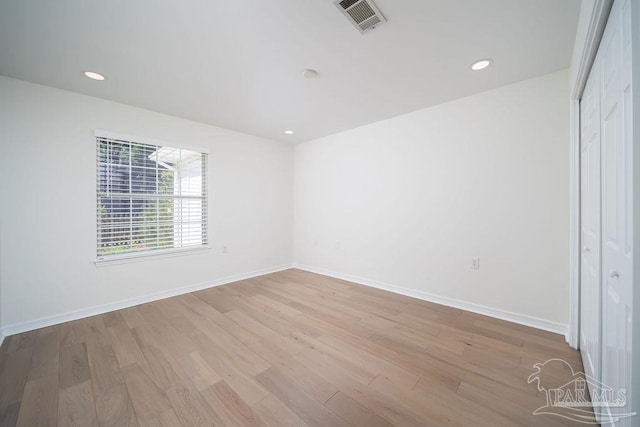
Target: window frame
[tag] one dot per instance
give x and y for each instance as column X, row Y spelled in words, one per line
column 146, row 255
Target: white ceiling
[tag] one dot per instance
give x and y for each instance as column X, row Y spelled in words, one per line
column 237, row 64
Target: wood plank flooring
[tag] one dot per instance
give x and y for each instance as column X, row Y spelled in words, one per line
column 286, row 349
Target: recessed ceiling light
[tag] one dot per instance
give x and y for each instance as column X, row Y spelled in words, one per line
column 481, row 65
column 310, row 74
column 288, row 132
column 94, row 76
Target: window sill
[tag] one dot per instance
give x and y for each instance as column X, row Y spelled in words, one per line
column 140, row 257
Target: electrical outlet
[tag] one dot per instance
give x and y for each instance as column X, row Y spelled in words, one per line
column 225, row 249
column 315, row 243
column 337, row 245
column 475, row 263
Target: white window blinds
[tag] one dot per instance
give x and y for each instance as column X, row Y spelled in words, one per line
column 151, row 198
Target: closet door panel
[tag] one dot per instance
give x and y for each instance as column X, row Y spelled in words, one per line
column 590, row 292
column 616, row 137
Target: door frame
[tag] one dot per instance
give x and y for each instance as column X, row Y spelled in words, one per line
column 591, row 23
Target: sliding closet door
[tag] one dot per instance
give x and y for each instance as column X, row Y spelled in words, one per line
column 590, row 292
column 616, row 139
column 606, row 301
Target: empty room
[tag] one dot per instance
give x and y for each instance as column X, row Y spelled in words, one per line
column 319, row 213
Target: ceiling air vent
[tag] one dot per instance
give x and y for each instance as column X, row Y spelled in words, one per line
column 362, row 13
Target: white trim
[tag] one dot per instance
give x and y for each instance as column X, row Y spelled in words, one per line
column 522, row 319
column 2, row 335
column 108, row 260
column 572, row 336
column 99, row 133
column 593, row 19
column 130, row 302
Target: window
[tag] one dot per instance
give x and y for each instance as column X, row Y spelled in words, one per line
column 151, row 198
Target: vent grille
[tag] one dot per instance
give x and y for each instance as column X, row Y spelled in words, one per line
column 346, row 4
column 363, row 14
column 370, row 23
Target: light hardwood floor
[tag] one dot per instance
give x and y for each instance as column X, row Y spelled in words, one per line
column 286, row 349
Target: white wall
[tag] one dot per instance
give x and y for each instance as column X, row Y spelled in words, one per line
column 411, row 199
column 408, row 201
column 48, row 208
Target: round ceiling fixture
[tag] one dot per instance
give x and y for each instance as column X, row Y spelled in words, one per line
column 288, row 132
column 94, row 76
column 310, row 74
column 481, row 64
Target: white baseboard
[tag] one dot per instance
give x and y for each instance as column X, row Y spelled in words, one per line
column 130, row 302
column 522, row 319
